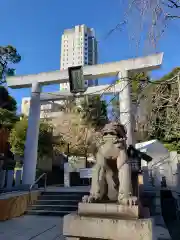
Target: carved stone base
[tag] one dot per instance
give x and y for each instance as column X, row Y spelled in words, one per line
column 108, row 210
column 107, row 221
column 86, row 227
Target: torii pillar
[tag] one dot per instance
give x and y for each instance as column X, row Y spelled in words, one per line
column 125, row 105
column 32, row 136
column 122, row 68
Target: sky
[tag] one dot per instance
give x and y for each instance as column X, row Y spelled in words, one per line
column 35, row 27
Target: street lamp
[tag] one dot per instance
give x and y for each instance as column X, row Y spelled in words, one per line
column 76, row 79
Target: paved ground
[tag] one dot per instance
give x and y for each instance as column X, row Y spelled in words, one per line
column 32, row 228
column 174, row 229
column 35, row 227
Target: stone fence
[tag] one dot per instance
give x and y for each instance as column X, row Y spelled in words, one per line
column 10, row 180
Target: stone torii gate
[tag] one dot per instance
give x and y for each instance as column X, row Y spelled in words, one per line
column 123, row 68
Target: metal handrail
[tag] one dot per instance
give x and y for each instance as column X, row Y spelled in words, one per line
column 37, row 180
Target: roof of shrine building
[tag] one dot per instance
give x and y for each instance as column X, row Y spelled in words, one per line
column 154, row 149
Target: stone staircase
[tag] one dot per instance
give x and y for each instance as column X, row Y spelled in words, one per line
column 56, row 203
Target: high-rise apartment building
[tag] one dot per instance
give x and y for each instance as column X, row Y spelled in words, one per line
column 78, row 47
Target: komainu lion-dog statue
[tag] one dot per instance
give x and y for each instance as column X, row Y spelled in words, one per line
column 111, row 176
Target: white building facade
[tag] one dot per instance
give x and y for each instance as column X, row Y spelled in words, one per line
column 78, row 47
column 48, row 109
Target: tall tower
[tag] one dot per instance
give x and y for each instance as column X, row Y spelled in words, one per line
column 78, row 47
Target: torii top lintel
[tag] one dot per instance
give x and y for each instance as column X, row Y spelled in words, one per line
column 147, row 63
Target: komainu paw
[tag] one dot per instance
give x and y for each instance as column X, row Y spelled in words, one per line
column 128, row 201
column 91, row 198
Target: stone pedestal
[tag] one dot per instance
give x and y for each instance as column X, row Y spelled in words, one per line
column 108, row 210
column 2, row 178
column 76, row 226
column 108, row 221
column 10, row 178
column 66, row 179
column 18, row 178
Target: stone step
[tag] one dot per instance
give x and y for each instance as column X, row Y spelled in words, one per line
column 68, row 208
column 57, row 202
column 64, row 193
column 48, row 213
column 61, row 197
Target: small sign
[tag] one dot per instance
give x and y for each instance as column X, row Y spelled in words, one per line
column 76, row 79
column 85, row 172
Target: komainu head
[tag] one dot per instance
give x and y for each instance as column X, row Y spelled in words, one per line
column 115, row 129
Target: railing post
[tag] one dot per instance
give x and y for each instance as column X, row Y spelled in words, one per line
column 45, row 182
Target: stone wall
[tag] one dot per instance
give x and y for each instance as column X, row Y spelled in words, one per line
column 15, row 205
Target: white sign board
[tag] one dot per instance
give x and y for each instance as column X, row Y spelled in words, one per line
column 85, row 172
